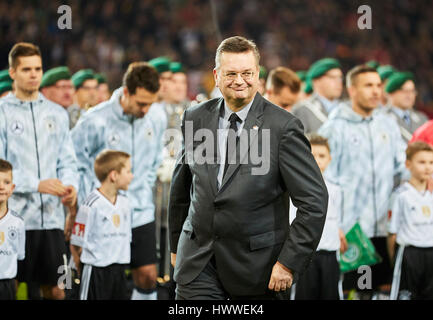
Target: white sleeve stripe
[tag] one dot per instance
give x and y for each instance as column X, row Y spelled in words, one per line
column 395, row 287
column 85, row 281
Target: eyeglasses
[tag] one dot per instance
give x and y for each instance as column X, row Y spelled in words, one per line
column 246, row 75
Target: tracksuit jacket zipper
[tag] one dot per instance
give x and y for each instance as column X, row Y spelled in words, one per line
column 37, row 158
column 374, row 178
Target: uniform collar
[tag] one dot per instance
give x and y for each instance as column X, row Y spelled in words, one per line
column 400, row 113
column 327, row 104
column 117, row 107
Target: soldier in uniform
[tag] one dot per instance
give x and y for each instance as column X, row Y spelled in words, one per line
column 306, row 89
column 401, row 92
column 86, row 94
column 326, row 78
column 57, row 86
column 175, row 104
column 385, row 72
column 103, row 88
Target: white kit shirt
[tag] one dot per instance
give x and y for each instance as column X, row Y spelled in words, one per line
column 103, row 230
column 412, row 217
column 12, row 244
column 330, row 240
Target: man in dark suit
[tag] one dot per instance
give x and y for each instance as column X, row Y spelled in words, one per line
column 229, row 224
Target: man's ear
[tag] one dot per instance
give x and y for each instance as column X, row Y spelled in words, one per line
column 408, row 163
column 215, row 76
column 12, row 73
column 13, row 187
column 125, row 91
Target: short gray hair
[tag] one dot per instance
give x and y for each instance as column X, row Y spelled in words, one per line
column 236, row 44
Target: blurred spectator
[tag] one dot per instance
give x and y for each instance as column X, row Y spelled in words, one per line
column 326, row 78
column 402, row 93
column 103, row 89
column 57, row 86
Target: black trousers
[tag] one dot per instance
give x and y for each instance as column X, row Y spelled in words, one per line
column 321, row 280
column 7, row 289
column 207, row 286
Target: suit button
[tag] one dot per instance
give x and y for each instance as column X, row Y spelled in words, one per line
column 216, row 237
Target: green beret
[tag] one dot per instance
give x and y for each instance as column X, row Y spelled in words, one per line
column 4, row 75
column 55, row 74
column 385, row 71
column 101, row 78
column 372, row 64
column 80, row 76
column 161, row 64
column 320, row 67
column 308, row 86
column 397, row 79
column 263, row 72
column 302, row 74
column 5, row 86
column 176, row 67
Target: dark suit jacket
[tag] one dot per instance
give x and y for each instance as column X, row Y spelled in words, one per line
column 245, row 223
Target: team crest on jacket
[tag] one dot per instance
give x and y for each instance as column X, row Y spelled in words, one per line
column 355, row 140
column 50, row 124
column 12, row 233
column 148, row 134
column 426, row 211
column 116, row 220
column 17, row 128
column 2, row 237
column 113, row 139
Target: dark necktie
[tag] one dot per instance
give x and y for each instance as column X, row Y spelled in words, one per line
column 406, row 118
column 232, row 130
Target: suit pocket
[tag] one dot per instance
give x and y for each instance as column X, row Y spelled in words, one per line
column 266, row 239
column 246, row 169
column 188, row 229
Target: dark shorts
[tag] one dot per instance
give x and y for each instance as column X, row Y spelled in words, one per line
column 413, row 274
column 381, row 272
column 143, row 245
column 45, row 260
column 321, row 280
column 7, row 289
column 104, row 283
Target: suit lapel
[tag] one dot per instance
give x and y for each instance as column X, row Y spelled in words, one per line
column 251, row 128
column 211, row 121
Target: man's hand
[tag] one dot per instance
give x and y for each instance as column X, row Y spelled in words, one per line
column 343, row 241
column 173, row 259
column 52, row 186
column 281, row 278
column 69, row 199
